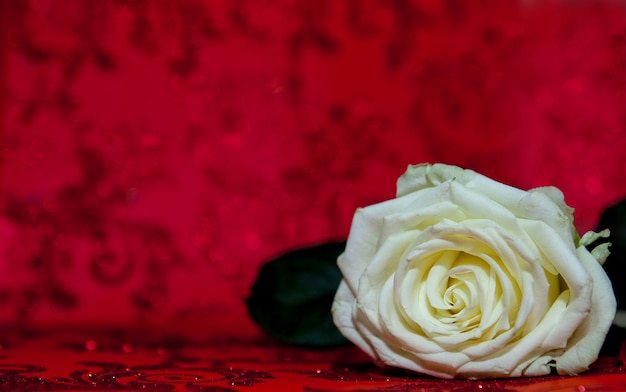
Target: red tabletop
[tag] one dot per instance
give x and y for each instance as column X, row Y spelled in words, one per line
column 206, row 358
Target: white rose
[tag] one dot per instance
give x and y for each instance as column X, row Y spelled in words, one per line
column 462, row 276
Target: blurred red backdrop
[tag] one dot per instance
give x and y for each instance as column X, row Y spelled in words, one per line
column 153, row 154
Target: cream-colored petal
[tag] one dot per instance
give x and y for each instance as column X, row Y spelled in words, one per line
column 424, row 176
column 584, row 345
column 558, row 255
column 546, row 204
column 504, row 360
column 363, row 239
column 342, row 311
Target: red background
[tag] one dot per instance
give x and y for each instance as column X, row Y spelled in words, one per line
column 153, row 154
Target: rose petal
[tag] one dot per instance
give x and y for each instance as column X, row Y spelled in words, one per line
column 363, row 240
column 342, row 311
column 547, row 204
column 585, row 343
column 418, row 177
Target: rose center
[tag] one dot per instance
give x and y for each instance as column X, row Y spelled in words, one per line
column 457, row 296
column 461, row 302
column 464, row 284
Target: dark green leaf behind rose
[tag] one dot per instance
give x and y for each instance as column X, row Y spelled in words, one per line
column 293, row 294
column 614, row 219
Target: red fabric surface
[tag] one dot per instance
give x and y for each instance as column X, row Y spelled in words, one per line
column 157, row 359
column 153, row 154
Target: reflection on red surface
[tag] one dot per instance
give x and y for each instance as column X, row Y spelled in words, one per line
column 154, row 154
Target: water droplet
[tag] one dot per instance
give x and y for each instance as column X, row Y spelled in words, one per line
column 581, row 388
column 127, row 348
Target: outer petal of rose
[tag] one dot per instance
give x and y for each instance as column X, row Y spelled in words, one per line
column 376, row 341
column 418, row 177
column 476, row 204
column 389, row 355
column 547, row 205
column 363, row 239
column 380, row 271
column 558, row 198
column 561, row 254
column 383, row 266
column 343, row 317
column 566, row 262
column 460, row 204
column 423, row 176
column 584, row 345
column 365, row 314
column 428, row 207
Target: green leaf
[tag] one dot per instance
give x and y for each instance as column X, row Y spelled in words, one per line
column 293, row 294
